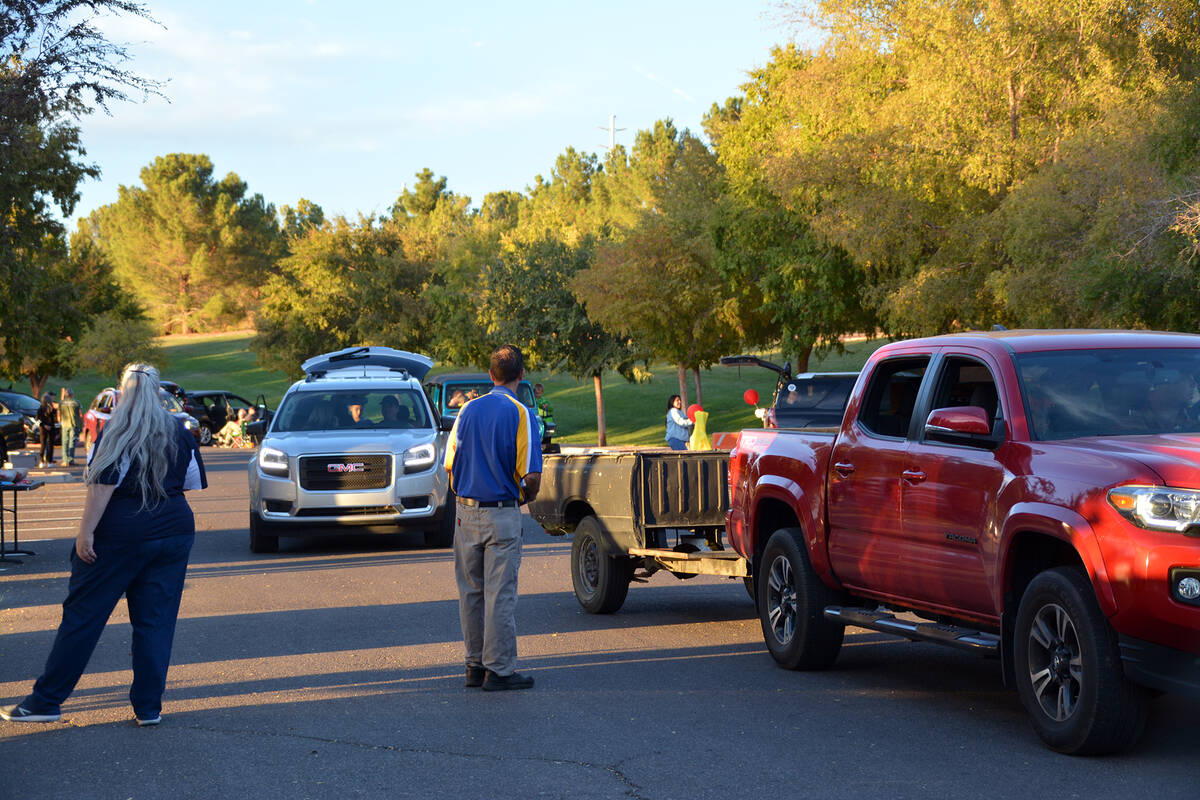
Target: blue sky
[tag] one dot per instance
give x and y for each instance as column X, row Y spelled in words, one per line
column 342, row 102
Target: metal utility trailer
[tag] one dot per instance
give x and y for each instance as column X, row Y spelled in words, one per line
column 635, row 511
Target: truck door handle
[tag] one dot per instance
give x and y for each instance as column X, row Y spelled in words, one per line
column 913, row 476
column 844, row 469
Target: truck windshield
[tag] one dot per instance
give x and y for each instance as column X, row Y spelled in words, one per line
column 351, row 410
column 1076, row 393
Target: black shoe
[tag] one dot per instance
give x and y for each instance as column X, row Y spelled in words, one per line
column 475, row 676
column 499, row 683
column 19, row 713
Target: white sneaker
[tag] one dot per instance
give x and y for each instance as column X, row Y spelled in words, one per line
column 145, row 723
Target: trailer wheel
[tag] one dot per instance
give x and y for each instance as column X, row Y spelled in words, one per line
column 1068, row 669
column 791, row 606
column 601, row 578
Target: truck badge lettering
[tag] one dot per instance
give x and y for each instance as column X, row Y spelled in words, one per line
column 357, row 467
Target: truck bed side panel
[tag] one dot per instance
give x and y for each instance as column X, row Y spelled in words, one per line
column 785, row 473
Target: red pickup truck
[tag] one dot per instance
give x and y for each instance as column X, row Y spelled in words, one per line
column 1030, row 495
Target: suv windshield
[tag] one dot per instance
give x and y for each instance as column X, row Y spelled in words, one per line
column 1110, row 392
column 351, row 410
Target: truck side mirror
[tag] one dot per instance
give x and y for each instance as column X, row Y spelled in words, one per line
column 256, row 428
column 446, row 423
column 968, row 425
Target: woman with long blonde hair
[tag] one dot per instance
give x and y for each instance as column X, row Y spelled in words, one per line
column 134, row 540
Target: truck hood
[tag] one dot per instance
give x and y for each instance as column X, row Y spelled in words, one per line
column 301, row 443
column 1174, row 456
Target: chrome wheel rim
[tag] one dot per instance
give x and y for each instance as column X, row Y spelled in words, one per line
column 589, row 566
column 1055, row 662
column 205, row 434
column 781, row 600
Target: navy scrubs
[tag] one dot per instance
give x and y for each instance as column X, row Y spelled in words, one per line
column 141, row 553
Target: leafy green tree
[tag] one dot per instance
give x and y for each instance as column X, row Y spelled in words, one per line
column 194, row 249
column 112, row 340
column 654, row 282
column 423, row 198
column 785, row 284
column 343, row 284
column 524, row 299
column 55, row 66
column 916, row 120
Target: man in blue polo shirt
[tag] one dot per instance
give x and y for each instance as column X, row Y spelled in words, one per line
column 494, row 457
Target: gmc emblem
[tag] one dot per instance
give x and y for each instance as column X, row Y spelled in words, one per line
column 359, row 467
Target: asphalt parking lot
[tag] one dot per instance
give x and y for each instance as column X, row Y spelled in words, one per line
column 334, row 669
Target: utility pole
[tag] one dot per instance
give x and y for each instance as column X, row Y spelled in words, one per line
column 612, row 130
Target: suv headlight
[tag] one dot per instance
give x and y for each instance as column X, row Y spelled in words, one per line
column 419, row 458
column 272, row 461
column 1162, row 508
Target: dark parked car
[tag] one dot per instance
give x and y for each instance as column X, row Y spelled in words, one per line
column 27, row 406
column 12, row 427
column 212, row 409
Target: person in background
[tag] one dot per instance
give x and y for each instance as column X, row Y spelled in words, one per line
column 678, row 425
column 134, row 539
column 544, row 409
column 71, row 419
column 494, row 457
column 47, row 417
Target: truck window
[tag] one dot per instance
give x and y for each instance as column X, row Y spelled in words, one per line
column 892, row 395
column 967, row 382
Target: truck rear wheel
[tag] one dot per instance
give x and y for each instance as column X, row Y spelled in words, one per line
column 791, row 606
column 260, row 540
column 1068, row 669
column 601, row 578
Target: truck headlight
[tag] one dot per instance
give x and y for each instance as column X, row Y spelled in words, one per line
column 272, row 461
column 419, row 458
column 1162, row 508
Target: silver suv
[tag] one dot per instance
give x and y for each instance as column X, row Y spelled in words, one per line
column 355, row 443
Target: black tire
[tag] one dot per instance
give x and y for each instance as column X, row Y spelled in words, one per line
column 1068, row 669
column 206, row 434
column 260, row 540
column 791, row 606
column 600, row 577
column 443, row 534
column 750, row 589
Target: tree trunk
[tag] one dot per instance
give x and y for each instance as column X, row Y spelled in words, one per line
column 36, row 384
column 683, row 385
column 696, row 380
column 601, row 427
column 802, row 357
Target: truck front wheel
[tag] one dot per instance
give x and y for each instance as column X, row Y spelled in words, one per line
column 791, row 605
column 1068, row 669
column 601, row 579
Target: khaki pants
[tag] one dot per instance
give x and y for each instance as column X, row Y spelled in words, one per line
column 487, row 555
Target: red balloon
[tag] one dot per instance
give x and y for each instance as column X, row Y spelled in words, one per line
column 751, row 397
column 692, row 409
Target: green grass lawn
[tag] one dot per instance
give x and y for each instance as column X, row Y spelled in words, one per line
column 635, row 412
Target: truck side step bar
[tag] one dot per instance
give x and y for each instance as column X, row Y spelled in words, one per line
column 980, row 642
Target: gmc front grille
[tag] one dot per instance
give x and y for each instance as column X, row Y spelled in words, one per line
column 345, row 473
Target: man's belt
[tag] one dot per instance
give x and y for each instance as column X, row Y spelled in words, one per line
column 467, row 501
